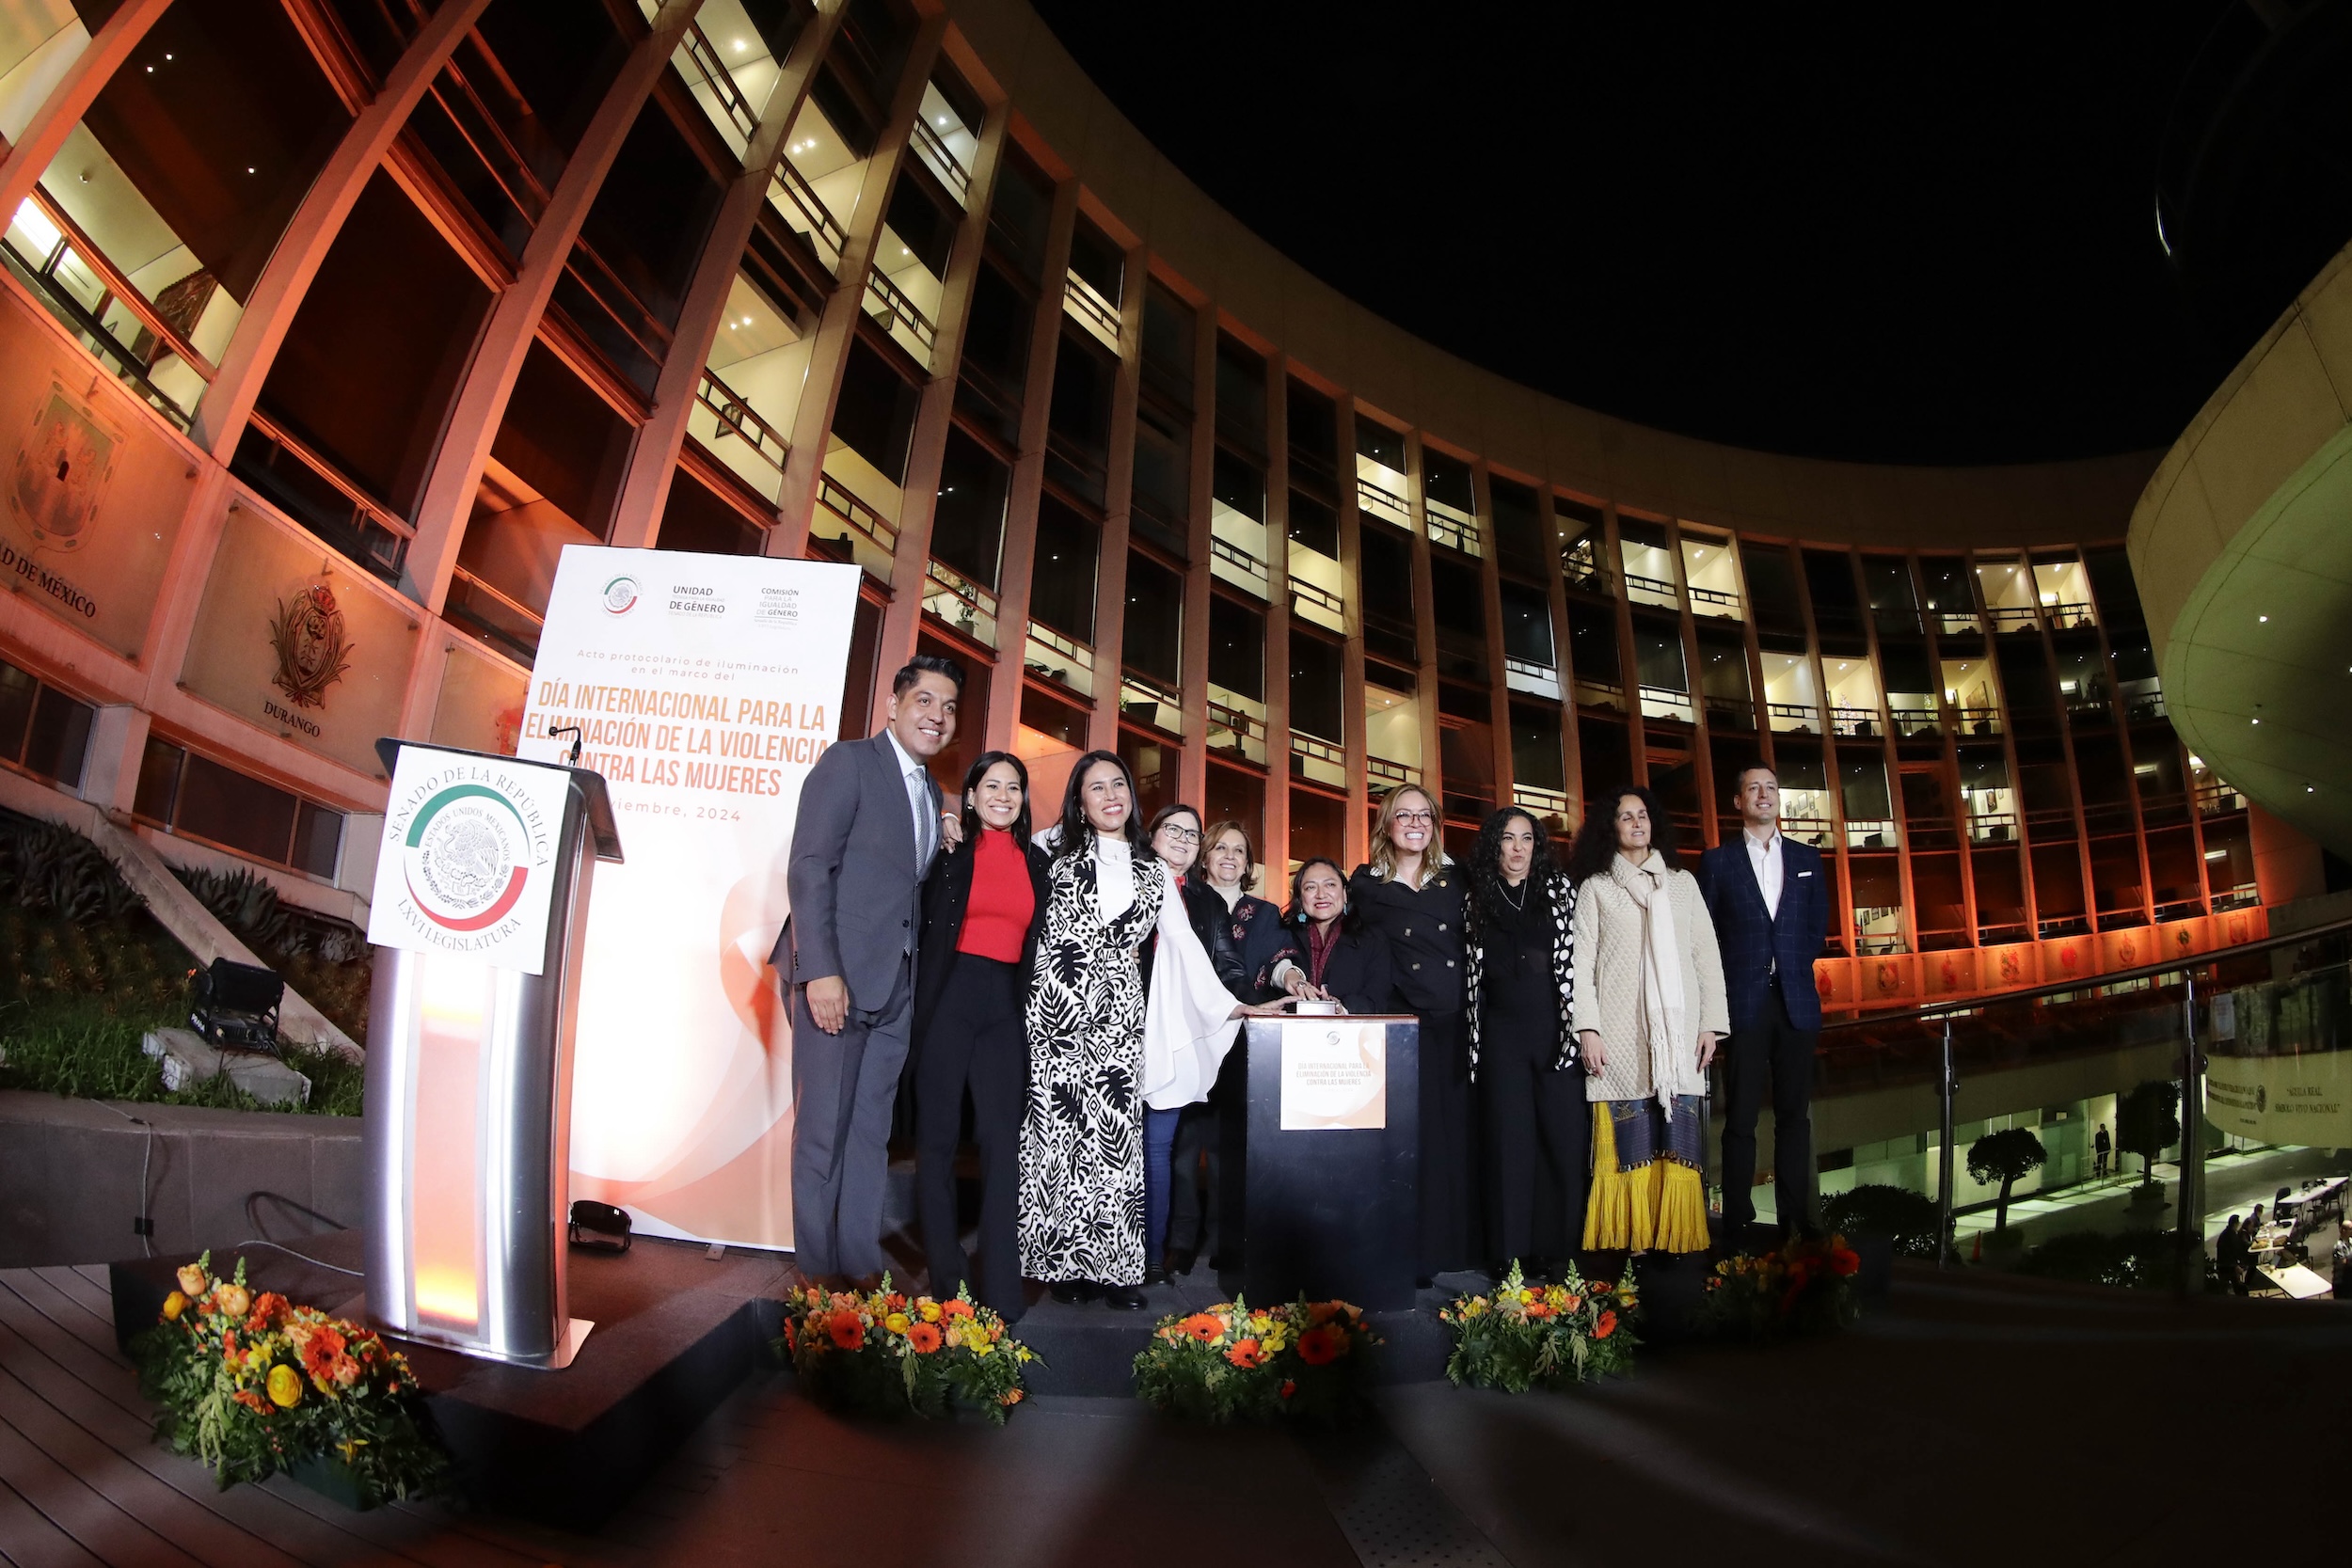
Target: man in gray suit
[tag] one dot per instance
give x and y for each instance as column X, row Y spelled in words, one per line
column 868, row 826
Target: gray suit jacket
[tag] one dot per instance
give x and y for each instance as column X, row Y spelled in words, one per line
column 854, row 884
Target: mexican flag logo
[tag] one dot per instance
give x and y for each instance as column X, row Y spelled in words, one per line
column 468, row 855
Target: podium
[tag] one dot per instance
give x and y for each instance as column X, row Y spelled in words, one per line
column 469, row 1048
column 1330, row 1158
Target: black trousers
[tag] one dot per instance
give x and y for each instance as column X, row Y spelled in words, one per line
column 1538, row 1131
column 1195, row 1215
column 1771, row 1054
column 976, row 1041
column 1452, row 1229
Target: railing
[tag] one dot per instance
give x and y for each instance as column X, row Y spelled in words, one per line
column 1980, row 720
column 737, row 419
column 495, row 615
column 933, row 148
column 1253, row 571
column 617, row 300
column 368, row 532
column 1318, row 758
column 1816, row 831
column 696, row 47
column 2143, row 701
column 823, row 228
column 1380, row 498
column 1544, row 802
column 1247, row 732
column 1716, row 601
column 1094, row 312
column 1538, row 680
column 1598, row 693
column 1800, row 717
column 2011, row 617
column 1581, row 567
column 1950, row 623
column 2244, row 896
column 1882, row 941
column 1663, row 701
column 120, row 288
column 955, row 600
column 1147, row 701
column 1381, row 770
column 1735, row 713
column 1992, row 827
column 1313, row 593
column 1909, row 721
column 2069, row 615
column 1868, row 834
column 1451, row 529
column 1046, row 645
column 844, row 503
column 48, row 275
column 890, row 301
column 1651, row 589
column 488, row 140
column 2216, row 798
column 1858, row 721
column 2087, row 697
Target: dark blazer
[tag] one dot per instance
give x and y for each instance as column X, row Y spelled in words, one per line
column 1360, row 972
column 852, row 873
column 1753, row 940
column 946, row 892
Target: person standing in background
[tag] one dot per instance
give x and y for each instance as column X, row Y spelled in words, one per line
column 1768, row 901
column 2101, row 1147
column 981, row 909
column 862, row 844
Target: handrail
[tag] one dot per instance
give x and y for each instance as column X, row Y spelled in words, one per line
column 376, row 512
column 517, row 180
column 812, row 207
column 854, row 510
column 697, row 47
column 933, row 146
column 120, row 286
column 2092, row 982
column 1369, row 494
column 737, row 418
column 1316, row 594
column 1234, row 554
column 586, row 267
column 901, row 310
column 1088, row 304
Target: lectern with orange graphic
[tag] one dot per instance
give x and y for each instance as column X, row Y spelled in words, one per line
column 479, row 915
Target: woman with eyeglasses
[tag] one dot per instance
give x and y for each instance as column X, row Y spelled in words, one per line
column 1102, row 1046
column 1174, row 835
column 1522, row 1053
column 981, row 909
column 1648, row 1005
column 1411, row 897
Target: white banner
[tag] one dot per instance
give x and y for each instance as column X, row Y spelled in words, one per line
column 704, row 687
column 468, row 860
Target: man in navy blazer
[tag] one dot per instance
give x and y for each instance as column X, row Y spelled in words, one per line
column 1769, row 899
column 867, row 827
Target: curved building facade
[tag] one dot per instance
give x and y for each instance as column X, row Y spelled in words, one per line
column 328, row 322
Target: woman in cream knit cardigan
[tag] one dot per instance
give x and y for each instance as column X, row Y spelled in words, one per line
column 1648, row 1006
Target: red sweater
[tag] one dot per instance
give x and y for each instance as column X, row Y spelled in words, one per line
column 996, row 917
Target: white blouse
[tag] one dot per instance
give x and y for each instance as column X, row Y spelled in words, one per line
column 1187, row 1018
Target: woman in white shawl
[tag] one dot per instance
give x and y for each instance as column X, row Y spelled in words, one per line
column 1647, row 1007
column 1094, row 1063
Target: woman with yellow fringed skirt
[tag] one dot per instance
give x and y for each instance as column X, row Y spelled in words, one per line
column 1648, row 1006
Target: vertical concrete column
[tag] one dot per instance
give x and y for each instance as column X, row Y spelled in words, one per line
column 1028, row 473
column 1356, row 739
column 473, row 424
column 646, row 490
column 1193, row 776
column 1490, row 592
column 796, row 501
column 1110, row 570
column 71, row 98
column 1695, row 677
column 1278, row 611
column 1630, row 670
column 1563, row 662
column 1425, row 632
column 277, row 294
column 110, row 768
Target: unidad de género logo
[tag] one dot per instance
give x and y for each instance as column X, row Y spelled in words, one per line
column 468, row 857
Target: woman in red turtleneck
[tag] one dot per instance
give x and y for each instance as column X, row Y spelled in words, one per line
column 982, row 907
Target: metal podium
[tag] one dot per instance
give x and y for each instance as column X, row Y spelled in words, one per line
column 468, row 1117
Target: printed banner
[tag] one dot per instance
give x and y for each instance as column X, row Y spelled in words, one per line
column 704, row 688
column 469, row 858
column 1335, row 1073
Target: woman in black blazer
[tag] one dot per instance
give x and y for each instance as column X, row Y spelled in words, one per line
column 982, row 908
column 1344, row 962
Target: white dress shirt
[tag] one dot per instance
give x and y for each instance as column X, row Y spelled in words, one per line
column 1764, row 859
column 919, row 800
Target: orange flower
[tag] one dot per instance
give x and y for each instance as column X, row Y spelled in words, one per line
column 1289, row 1388
column 895, row 1301
column 268, row 1308
column 1204, row 1327
column 956, row 1308
column 251, row 1401
column 319, row 1351
column 1607, row 1325
column 1321, row 1313
column 1244, row 1355
column 791, row 1340
column 1539, row 1310
column 1011, row 1396
column 1845, row 1261
column 924, row 1338
column 848, row 1332
column 1320, row 1347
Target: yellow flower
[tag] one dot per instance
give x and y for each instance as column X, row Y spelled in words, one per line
column 897, row 1322
column 174, row 1305
column 1527, row 1297
column 931, row 1311
column 981, row 1346
column 285, row 1386
column 349, row 1448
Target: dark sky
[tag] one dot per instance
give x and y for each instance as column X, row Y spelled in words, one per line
column 1847, row 232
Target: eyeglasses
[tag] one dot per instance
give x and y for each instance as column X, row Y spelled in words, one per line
column 1423, row 818
column 1183, row 835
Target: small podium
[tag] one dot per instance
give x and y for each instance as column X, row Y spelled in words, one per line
column 480, row 916
column 1331, row 1159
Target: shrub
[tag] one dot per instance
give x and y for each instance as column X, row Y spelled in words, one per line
column 2131, row 1259
column 48, row 868
column 1910, row 1220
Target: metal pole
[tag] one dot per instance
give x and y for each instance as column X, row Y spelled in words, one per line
column 1948, row 1086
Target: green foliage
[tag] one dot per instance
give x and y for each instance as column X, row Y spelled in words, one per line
column 1235, row 1362
column 48, row 868
column 246, row 903
column 252, row 1385
column 2003, row 1157
column 1528, row 1335
column 325, row 962
column 1912, row 1220
column 1804, row 1287
column 2147, row 1122
column 884, row 1352
column 77, row 1046
column 2145, row 1259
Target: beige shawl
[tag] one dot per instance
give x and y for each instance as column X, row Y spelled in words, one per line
column 1661, row 1008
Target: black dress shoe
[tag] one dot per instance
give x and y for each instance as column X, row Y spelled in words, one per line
column 1069, row 1291
column 1180, row 1261
column 1126, row 1298
column 1155, row 1275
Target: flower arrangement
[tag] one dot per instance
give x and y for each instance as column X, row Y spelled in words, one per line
column 251, row 1384
column 1525, row 1336
column 887, row 1352
column 1801, row 1287
column 1237, row 1362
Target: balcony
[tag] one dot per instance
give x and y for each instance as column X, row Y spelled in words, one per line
column 1384, row 774
column 908, row 327
column 1912, row 715
column 805, row 212
column 307, row 488
column 1598, row 693
column 1651, row 590
column 1311, row 601
column 1662, row 702
column 1877, row 931
column 1551, row 804
column 2142, row 700
column 1716, row 601
column 1861, row 723
column 1866, row 835
column 1980, row 720
column 718, row 90
column 845, row 519
column 1317, row 759
column 1816, row 831
column 2067, row 615
column 1145, row 701
column 1064, row 660
column 732, row 431
column 1991, row 826
column 1082, row 303
column 1955, row 623
column 2216, row 798
column 958, row 603
column 1730, row 713
column 1231, row 563
column 1450, row 528
column 498, row 619
column 939, row 154
column 2011, row 617
column 1237, row 725
column 1796, row 717
column 1582, row 568
column 1536, row 680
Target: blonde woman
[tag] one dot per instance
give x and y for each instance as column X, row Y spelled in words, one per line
column 1647, row 1004
column 1410, row 897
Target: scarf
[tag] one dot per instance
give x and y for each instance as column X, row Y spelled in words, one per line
column 1648, row 885
column 1319, row 946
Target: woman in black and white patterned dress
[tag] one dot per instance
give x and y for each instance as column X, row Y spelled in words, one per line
column 1093, row 1064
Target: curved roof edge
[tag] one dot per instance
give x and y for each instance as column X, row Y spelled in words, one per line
column 1512, row 426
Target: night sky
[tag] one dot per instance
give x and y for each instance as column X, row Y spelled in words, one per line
column 1839, row 230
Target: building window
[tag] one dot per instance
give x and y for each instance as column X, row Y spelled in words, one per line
column 189, row 795
column 43, row 730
